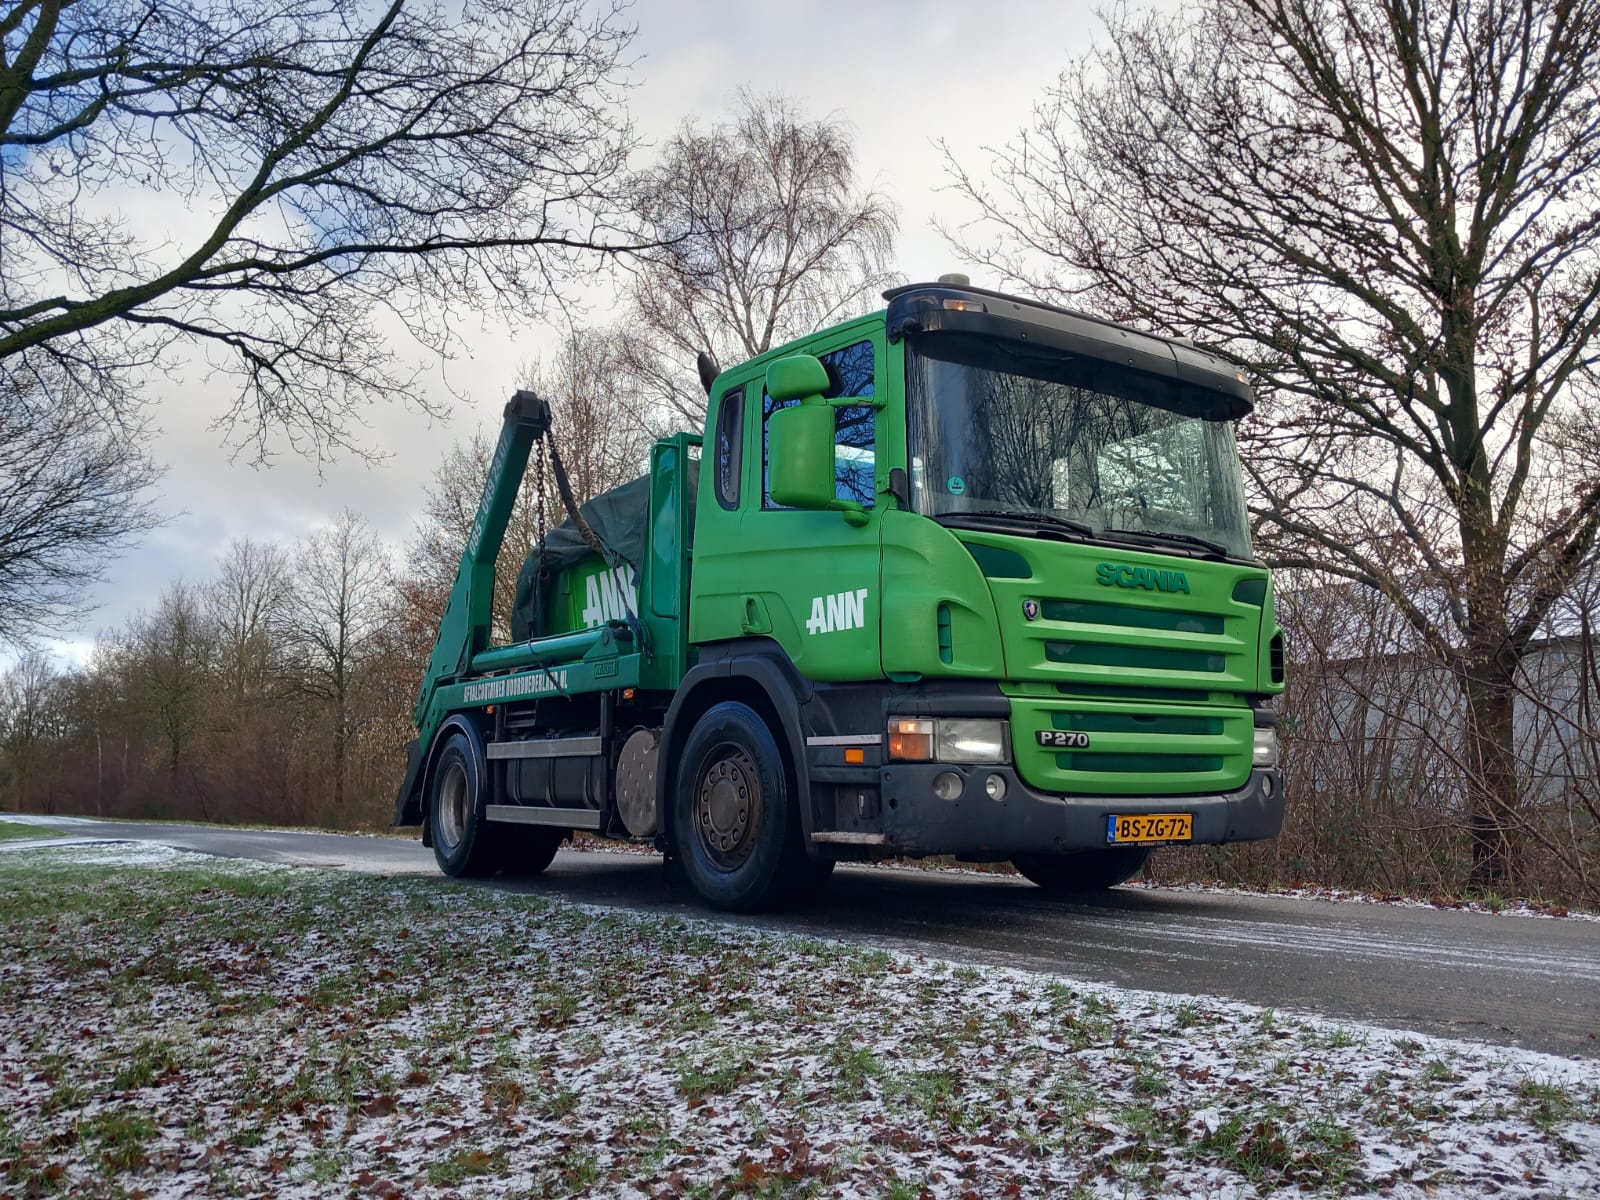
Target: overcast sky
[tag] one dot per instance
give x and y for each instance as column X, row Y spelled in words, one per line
column 901, row 76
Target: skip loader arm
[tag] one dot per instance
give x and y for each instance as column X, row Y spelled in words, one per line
column 465, row 628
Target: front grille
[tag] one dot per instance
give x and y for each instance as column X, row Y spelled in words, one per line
column 1140, row 764
column 1112, row 691
column 1192, row 743
column 1136, row 657
column 1126, row 616
column 1126, row 722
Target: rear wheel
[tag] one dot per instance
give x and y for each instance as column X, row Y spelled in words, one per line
column 456, row 802
column 736, row 823
column 528, row 849
column 1084, row 870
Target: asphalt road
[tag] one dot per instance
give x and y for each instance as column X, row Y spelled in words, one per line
column 1514, row 980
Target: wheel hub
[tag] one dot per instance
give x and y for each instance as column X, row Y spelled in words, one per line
column 727, row 807
column 452, row 805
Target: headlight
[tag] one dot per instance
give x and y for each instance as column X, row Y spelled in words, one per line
column 1265, row 752
column 948, row 739
column 969, row 741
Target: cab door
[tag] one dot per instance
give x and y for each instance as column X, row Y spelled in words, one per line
column 812, row 580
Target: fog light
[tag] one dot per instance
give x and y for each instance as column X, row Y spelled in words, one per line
column 1265, row 751
column 947, row 785
column 995, row 785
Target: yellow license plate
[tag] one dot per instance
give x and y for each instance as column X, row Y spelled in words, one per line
column 1151, row 827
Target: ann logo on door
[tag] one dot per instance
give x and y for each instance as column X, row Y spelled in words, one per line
column 841, row 610
column 612, row 594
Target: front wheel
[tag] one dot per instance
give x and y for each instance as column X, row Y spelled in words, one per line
column 735, row 822
column 1083, row 870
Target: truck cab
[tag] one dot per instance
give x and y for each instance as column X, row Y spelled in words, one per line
column 970, row 575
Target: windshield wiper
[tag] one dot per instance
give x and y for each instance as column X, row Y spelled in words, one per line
column 1036, row 519
column 1162, row 535
column 1045, row 518
column 1050, row 521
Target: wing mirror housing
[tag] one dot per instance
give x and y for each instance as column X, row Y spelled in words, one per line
column 800, row 446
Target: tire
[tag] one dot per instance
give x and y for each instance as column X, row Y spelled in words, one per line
column 809, row 881
column 735, row 821
column 1083, row 871
column 457, row 794
column 528, row 849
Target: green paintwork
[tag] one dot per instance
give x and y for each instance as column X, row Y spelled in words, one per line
column 583, row 652
column 926, row 568
column 802, row 451
column 718, row 610
column 998, row 562
column 556, row 648
column 664, row 592
column 600, row 669
column 465, row 627
column 1133, row 575
column 795, row 575
column 796, row 377
column 1154, row 656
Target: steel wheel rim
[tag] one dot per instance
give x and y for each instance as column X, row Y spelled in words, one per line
column 453, row 805
column 727, row 807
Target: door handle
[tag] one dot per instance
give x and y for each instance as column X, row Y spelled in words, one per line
column 755, row 616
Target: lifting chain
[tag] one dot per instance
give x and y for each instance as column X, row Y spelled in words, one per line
column 545, row 448
column 570, row 502
column 542, row 490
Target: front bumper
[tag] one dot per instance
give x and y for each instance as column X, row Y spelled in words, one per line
column 915, row 821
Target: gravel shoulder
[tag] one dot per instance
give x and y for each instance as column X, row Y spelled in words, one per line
column 175, row 1025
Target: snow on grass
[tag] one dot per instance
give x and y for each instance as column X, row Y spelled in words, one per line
column 174, row 1026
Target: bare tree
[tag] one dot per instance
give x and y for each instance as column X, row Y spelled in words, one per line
column 332, row 612
column 32, row 697
column 449, row 506
column 1387, row 210
column 244, row 602
column 72, row 492
column 603, row 434
column 602, row 424
column 766, row 237
column 331, row 165
column 173, row 651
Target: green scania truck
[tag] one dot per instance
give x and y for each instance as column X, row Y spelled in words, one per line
column 970, row 575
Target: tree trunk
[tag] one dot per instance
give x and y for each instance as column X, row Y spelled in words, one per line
column 339, row 740
column 99, row 771
column 1493, row 788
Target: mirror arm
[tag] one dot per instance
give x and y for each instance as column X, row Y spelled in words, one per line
column 854, row 512
column 898, row 488
column 871, row 402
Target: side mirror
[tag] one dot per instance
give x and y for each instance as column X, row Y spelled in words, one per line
column 796, row 377
column 800, row 440
column 800, row 455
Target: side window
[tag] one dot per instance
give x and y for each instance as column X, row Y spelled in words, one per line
column 850, row 373
column 727, row 449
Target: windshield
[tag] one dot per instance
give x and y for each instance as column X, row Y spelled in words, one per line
column 1000, row 430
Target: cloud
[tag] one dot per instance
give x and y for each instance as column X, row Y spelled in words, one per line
column 902, row 78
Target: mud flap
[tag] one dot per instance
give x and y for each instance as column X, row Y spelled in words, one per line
column 407, row 810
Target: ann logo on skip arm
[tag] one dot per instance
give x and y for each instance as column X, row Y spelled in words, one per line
column 841, row 610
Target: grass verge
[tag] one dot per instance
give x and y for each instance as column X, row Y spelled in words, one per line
column 179, row 1026
column 14, row 831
